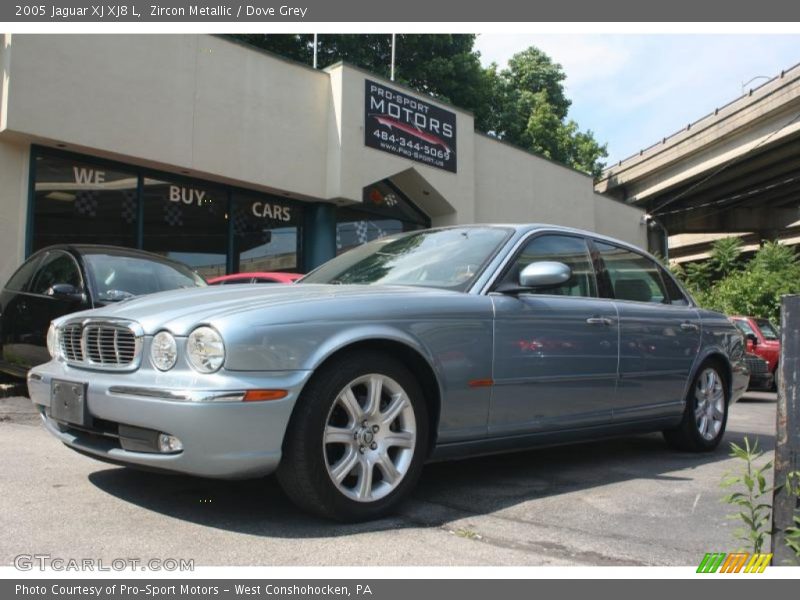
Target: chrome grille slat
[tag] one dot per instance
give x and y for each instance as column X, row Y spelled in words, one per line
column 102, row 344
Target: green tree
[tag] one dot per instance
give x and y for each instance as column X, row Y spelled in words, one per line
column 524, row 104
column 529, row 109
column 725, row 255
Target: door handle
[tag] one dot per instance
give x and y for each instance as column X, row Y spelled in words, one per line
column 599, row 321
column 686, row 326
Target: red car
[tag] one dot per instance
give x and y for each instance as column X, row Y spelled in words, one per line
column 763, row 339
column 272, row 277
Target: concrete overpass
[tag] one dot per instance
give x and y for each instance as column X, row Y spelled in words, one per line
column 735, row 170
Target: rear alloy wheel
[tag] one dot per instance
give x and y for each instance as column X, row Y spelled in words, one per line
column 357, row 439
column 706, row 413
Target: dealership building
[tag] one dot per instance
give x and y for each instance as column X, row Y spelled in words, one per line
column 232, row 159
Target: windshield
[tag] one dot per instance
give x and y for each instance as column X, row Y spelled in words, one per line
column 121, row 277
column 440, row 258
column 768, row 330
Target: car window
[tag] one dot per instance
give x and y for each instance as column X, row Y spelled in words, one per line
column 266, row 280
column 674, row 293
column 570, row 250
column 633, row 276
column 234, row 281
column 19, row 280
column 744, row 327
column 56, row 267
column 450, row 258
column 768, row 330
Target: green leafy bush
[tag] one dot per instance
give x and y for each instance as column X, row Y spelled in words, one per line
column 723, row 283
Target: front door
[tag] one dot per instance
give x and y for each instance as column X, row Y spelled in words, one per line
column 555, row 351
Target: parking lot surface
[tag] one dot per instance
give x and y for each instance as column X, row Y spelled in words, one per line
column 628, row 501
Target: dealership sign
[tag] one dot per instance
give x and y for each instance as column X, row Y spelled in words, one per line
column 407, row 126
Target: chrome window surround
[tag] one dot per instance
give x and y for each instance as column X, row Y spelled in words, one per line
column 86, row 361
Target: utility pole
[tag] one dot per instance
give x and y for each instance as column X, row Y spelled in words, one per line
column 787, row 432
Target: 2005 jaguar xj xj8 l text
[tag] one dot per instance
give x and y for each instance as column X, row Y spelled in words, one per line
column 428, row 345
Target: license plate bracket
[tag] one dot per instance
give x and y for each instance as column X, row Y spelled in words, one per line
column 68, row 402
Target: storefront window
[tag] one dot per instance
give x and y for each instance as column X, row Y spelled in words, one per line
column 77, row 201
column 266, row 234
column 383, row 212
column 187, row 222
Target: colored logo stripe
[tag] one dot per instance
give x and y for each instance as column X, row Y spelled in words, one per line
column 758, row 563
column 733, row 563
column 711, row 562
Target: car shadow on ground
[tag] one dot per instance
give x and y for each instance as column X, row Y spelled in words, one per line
column 447, row 491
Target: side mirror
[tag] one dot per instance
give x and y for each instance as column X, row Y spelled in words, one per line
column 544, row 274
column 65, row 291
column 752, row 338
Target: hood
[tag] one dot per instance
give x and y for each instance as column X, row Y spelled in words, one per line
column 180, row 311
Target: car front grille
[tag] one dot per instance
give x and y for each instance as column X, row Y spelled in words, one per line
column 104, row 345
column 756, row 365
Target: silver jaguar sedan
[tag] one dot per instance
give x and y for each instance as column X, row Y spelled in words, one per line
column 437, row 344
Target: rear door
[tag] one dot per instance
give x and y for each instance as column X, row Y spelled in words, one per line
column 15, row 316
column 556, row 351
column 659, row 334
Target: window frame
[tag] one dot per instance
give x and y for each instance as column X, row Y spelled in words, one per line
column 659, row 269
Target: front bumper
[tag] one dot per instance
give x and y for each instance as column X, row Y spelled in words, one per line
column 221, row 439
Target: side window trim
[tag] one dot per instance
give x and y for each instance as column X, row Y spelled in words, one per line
column 520, row 249
column 604, row 287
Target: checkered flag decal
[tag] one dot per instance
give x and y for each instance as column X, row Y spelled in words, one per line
column 240, row 222
column 173, row 215
column 86, row 203
column 129, row 206
column 362, row 233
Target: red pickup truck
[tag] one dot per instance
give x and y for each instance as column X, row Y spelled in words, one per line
column 763, row 339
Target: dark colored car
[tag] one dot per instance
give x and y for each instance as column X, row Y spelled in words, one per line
column 266, row 277
column 63, row 279
column 763, row 339
column 761, row 379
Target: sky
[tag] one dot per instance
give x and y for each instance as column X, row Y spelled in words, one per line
column 633, row 90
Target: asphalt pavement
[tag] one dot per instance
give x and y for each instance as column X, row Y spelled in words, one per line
column 628, row 501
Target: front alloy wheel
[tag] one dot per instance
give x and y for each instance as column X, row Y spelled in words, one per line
column 357, row 439
column 370, row 437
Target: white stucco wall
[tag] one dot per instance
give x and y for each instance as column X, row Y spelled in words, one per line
column 14, row 159
column 513, row 186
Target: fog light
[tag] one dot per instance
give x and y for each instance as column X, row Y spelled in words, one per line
column 169, row 443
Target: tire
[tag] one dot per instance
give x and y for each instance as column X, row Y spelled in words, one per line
column 706, row 412
column 375, row 454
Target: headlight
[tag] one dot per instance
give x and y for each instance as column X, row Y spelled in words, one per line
column 163, row 351
column 205, row 350
column 52, row 342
